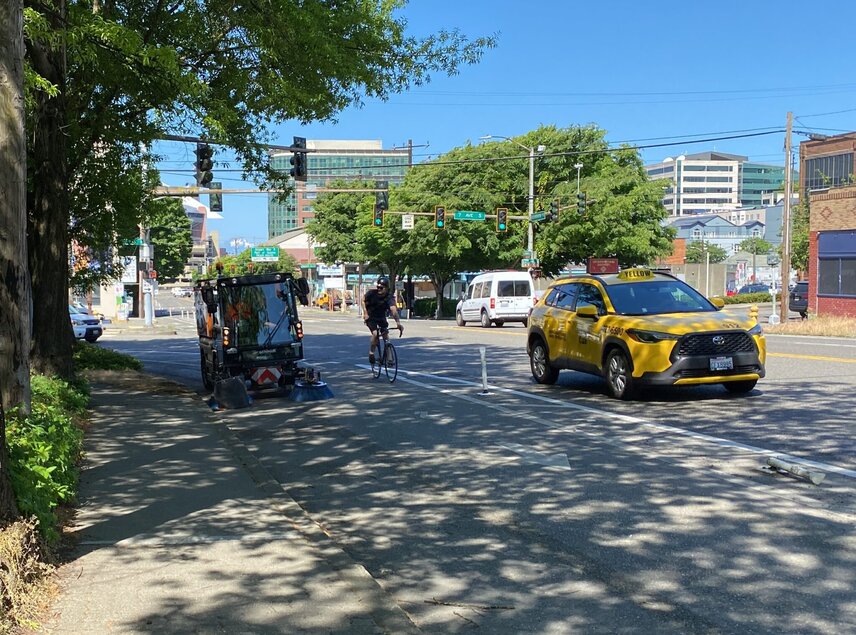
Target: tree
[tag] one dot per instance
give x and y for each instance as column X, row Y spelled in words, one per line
column 755, row 245
column 105, row 79
column 800, row 238
column 14, row 287
column 169, row 235
column 697, row 250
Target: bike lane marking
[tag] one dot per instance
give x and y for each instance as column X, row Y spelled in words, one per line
column 719, row 441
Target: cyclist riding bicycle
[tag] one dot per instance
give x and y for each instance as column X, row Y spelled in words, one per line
column 376, row 303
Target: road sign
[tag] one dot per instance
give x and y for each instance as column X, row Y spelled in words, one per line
column 538, row 216
column 264, row 254
column 527, row 262
column 468, row 215
column 407, row 221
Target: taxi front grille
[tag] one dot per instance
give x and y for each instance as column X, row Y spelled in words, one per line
column 715, row 344
column 688, row 373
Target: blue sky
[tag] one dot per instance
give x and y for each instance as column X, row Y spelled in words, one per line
column 647, row 73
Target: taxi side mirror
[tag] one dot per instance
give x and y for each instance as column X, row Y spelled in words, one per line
column 717, row 302
column 587, row 311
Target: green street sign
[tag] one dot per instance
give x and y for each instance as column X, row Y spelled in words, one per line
column 264, row 254
column 468, row 215
column 529, row 261
column 134, row 241
column 538, row 216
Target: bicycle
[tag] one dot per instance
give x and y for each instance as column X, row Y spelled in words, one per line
column 386, row 358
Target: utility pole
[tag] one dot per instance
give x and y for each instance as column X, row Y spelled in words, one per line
column 786, row 224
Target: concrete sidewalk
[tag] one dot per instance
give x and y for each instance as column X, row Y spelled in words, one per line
column 180, row 530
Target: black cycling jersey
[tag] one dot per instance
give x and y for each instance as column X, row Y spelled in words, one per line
column 378, row 305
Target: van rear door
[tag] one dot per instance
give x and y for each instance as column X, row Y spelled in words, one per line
column 514, row 298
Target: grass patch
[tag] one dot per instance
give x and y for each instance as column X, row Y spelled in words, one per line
column 26, row 581
column 828, row 326
column 89, row 357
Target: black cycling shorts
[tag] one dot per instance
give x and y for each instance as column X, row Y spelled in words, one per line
column 377, row 325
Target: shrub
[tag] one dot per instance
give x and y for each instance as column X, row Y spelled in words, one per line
column 747, row 298
column 44, row 449
column 427, row 307
column 88, row 356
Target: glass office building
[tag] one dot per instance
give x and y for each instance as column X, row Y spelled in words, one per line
column 330, row 161
column 708, row 182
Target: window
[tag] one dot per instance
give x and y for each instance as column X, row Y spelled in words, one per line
column 829, row 171
column 589, row 295
column 837, row 276
column 513, row 288
column 565, row 296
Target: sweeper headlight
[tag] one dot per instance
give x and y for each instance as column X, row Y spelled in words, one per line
column 298, row 328
column 226, row 336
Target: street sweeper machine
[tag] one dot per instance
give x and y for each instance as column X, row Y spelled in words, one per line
column 249, row 329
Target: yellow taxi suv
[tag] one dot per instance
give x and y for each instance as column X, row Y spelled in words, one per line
column 641, row 328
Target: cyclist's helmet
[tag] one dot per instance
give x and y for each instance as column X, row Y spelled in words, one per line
column 383, row 281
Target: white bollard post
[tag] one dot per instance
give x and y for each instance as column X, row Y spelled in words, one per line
column 814, row 477
column 482, row 353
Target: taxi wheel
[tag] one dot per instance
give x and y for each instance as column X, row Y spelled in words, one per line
column 740, row 386
column 539, row 362
column 459, row 319
column 619, row 375
column 485, row 320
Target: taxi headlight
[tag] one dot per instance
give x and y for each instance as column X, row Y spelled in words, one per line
column 756, row 330
column 651, row 337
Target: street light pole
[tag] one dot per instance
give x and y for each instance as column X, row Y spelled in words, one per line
column 530, row 234
column 578, row 166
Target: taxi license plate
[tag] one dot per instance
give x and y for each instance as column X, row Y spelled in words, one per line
column 721, row 363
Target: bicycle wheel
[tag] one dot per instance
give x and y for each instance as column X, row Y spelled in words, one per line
column 377, row 365
column 390, row 362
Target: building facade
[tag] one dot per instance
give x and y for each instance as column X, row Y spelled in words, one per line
column 709, row 182
column 329, row 161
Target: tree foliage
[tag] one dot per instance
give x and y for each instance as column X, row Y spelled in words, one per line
column 800, row 238
column 755, row 245
column 697, row 252
column 107, row 78
column 169, row 232
column 623, row 219
column 242, row 264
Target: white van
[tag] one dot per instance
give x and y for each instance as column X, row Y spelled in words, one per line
column 497, row 297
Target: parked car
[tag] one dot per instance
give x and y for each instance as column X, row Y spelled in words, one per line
column 497, row 297
column 799, row 299
column 641, row 328
column 182, row 292
column 85, row 326
column 755, row 287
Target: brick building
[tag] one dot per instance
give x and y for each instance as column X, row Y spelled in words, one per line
column 827, row 183
column 832, row 252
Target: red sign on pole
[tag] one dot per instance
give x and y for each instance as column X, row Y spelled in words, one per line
column 602, row 265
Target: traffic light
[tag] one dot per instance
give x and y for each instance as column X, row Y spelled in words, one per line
column 378, row 215
column 501, row 219
column 440, row 217
column 204, row 164
column 298, row 159
column 382, row 194
column 581, row 202
column 553, row 214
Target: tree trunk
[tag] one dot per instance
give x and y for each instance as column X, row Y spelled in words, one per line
column 14, row 284
column 48, row 217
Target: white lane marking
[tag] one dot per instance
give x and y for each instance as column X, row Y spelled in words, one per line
column 511, row 391
column 726, row 443
column 559, row 459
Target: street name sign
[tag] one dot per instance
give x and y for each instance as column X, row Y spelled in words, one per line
column 264, row 254
column 468, row 215
column 538, row 216
column 529, row 261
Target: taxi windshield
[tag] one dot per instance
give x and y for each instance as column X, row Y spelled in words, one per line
column 657, row 297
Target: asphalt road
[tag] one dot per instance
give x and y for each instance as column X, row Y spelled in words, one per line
column 527, row 508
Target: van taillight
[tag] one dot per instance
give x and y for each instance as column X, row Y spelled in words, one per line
column 493, row 303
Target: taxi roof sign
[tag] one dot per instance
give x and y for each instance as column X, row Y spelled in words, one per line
column 600, row 266
column 636, row 273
